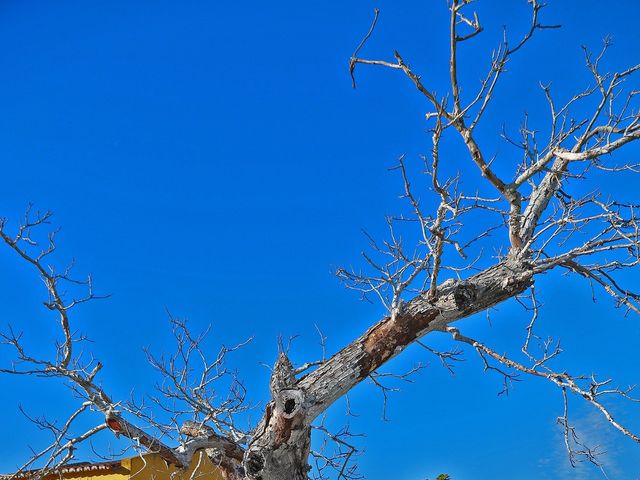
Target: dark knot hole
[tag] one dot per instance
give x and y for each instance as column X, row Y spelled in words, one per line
column 289, row 405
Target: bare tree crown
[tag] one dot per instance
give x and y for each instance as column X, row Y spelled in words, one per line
column 425, row 286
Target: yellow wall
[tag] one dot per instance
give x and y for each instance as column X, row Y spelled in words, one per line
column 151, row 467
column 89, row 476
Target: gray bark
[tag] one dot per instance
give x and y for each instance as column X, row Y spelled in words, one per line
column 280, row 447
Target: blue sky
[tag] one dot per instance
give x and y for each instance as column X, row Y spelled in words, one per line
column 212, row 159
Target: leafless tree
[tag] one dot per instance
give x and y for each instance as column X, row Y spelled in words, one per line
column 542, row 224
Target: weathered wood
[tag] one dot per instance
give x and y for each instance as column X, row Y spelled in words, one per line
column 281, row 443
column 120, row 426
column 391, row 335
column 280, row 446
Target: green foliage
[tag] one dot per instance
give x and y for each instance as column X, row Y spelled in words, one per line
column 443, row 476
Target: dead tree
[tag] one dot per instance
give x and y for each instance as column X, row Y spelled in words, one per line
column 543, row 225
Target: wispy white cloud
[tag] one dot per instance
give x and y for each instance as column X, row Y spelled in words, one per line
column 593, row 431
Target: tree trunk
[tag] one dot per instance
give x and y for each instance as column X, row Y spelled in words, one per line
column 280, row 446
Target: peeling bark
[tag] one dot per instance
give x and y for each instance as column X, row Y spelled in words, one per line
column 280, row 445
column 420, row 316
column 119, row 426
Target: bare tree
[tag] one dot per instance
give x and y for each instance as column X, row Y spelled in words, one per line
column 535, row 214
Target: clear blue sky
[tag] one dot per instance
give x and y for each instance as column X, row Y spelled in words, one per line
column 211, row 158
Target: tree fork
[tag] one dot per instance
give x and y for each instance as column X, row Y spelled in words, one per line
column 280, row 446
